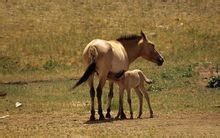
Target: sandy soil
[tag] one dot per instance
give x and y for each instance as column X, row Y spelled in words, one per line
column 68, row 124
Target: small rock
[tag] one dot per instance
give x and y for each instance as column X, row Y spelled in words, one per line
column 2, row 117
column 18, row 104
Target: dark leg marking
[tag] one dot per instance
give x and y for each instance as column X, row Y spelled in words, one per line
column 99, row 97
column 92, row 95
column 110, row 95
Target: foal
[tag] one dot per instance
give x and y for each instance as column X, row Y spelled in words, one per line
column 132, row 79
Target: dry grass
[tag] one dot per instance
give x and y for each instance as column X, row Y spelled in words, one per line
column 33, row 32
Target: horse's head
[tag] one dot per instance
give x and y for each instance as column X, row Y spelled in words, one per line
column 149, row 52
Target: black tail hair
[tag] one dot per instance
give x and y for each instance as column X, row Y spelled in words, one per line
column 90, row 69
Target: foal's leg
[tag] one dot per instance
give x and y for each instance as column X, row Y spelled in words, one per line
column 92, row 95
column 148, row 100
column 140, row 96
column 101, row 84
column 110, row 95
column 129, row 102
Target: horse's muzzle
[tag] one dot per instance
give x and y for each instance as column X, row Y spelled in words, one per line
column 160, row 61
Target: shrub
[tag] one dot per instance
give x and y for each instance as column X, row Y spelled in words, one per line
column 50, row 64
column 9, row 65
column 214, row 82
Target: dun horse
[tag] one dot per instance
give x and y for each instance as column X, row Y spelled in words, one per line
column 132, row 79
column 102, row 57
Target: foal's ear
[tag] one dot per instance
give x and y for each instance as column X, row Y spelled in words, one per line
column 143, row 35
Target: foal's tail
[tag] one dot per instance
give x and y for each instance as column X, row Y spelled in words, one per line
column 90, row 69
column 145, row 78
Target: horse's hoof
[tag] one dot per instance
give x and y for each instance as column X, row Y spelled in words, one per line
column 101, row 117
column 123, row 116
column 151, row 116
column 131, row 117
column 92, row 118
column 139, row 117
column 108, row 115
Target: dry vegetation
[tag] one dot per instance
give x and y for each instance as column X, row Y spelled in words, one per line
column 44, row 39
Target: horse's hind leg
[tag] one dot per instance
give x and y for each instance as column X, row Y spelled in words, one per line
column 92, row 95
column 110, row 95
column 148, row 100
column 140, row 96
column 102, row 80
column 129, row 102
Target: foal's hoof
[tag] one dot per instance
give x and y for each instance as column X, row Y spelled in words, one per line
column 108, row 115
column 117, row 117
column 92, row 118
column 131, row 117
column 139, row 117
column 151, row 116
column 101, row 117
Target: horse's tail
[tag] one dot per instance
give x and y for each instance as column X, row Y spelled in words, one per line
column 90, row 69
column 145, row 78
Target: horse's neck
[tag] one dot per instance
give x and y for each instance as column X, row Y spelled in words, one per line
column 132, row 49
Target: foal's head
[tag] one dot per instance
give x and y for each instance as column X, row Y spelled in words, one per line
column 149, row 52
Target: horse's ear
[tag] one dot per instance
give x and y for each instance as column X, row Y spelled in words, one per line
column 143, row 35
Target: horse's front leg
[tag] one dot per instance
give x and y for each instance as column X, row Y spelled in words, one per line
column 110, row 96
column 121, row 113
column 123, row 116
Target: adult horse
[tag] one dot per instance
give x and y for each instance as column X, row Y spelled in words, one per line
column 102, row 57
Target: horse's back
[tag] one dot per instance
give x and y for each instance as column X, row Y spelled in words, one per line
column 110, row 53
column 101, row 46
column 103, row 50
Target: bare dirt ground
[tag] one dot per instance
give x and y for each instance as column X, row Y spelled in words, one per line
column 68, row 124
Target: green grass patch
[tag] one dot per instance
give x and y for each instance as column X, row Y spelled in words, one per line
column 55, row 97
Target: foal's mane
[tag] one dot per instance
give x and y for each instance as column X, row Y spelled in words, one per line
column 128, row 37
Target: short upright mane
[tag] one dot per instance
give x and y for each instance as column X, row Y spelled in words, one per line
column 128, row 37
